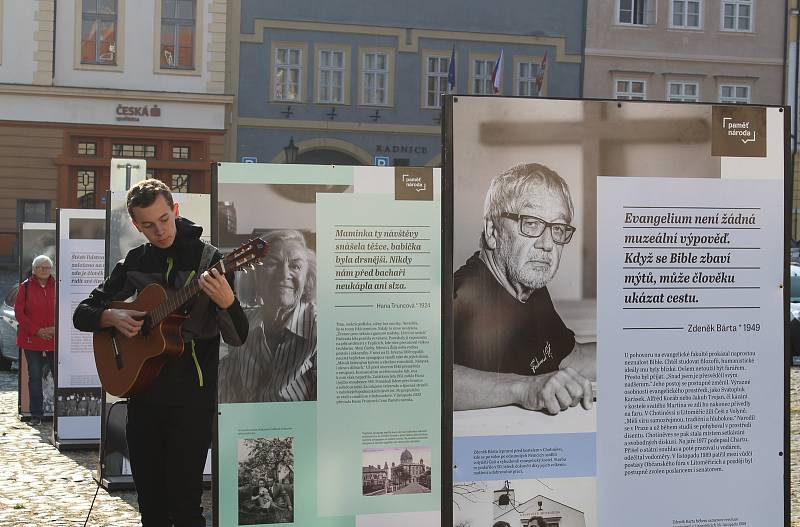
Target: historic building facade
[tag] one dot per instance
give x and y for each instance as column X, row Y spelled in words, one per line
column 727, row 51
column 82, row 81
column 344, row 82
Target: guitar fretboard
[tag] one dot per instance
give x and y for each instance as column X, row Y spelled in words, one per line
column 171, row 304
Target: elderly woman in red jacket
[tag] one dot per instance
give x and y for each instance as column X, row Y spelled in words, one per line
column 35, row 309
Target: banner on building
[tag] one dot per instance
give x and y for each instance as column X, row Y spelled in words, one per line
column 330, row 412
column 618, row 313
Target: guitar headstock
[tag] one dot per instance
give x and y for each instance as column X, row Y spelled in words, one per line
column 247, row 255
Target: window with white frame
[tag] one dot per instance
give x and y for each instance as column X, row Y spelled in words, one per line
column 482, row 77
column 331, row 76
column 436, row 80
column 288, row 73
column 734, row 94
column 737, row 15
column 686, row 13
column 636, row 12
column 633, row 90
column 177, row 34
column 99, row 32
column 683, row 91
column 376, row 78
column 527, row 73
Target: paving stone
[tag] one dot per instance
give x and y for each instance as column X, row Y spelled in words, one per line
column 40, row 486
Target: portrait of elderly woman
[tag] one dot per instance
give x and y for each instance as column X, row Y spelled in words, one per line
column 278, row 362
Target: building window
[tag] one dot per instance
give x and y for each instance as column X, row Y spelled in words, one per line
column 734, row 94
column 85, row 189
column 288, row 73
column 686, row 13
column 179, row 182
column 87, row 149
column 630, row 90
column 683, row 91
column 736, row 15
column 177, row 34
column 33, row 210
column 181, row 152
column 527, row 73
column 637, row 12
column 128, row 150
column 331, row 76
column 99, row 32
column 436, row 68
column 482, row 77
column 376, row 78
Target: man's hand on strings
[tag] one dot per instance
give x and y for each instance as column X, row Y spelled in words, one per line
column 216, row 286
column 126, row 321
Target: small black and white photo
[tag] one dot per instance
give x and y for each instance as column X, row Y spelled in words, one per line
column 278, row 362
column 80, row 402
column 400, row 470
column 566, row 502
column 87, row 229
column 266, row 480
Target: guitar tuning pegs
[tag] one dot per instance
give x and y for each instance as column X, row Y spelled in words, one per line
column 259, row 263
column 252, row 267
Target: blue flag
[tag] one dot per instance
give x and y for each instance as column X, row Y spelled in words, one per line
column 451, row 71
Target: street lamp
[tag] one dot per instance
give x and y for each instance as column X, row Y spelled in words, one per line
column 290, row 151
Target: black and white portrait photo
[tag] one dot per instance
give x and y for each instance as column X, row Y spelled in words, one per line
column 278, row 362
column 266, row 480
column 510, row 345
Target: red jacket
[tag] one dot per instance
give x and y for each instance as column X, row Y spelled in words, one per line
column 35, row 308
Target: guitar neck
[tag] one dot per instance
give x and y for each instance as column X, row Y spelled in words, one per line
column 248, row 254
column 171, row 304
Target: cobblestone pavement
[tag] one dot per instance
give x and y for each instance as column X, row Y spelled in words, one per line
column 40, row 486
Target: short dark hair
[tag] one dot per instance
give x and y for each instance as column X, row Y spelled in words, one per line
column 145, row 192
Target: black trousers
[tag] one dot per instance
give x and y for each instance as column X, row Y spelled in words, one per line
column 168, row 446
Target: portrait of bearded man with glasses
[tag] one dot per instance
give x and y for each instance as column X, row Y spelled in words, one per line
column 510, row 345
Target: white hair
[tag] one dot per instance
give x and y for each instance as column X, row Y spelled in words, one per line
column 39, row 260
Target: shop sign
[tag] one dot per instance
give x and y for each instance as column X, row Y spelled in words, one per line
column 137, row 113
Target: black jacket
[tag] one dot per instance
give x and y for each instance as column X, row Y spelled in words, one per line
column 190, row 379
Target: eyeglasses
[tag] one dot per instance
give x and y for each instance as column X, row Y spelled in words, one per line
column 533, row 227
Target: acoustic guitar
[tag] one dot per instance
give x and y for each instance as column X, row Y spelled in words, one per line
column 128, row 365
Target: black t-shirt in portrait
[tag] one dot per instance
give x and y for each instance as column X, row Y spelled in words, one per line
column 493, row 331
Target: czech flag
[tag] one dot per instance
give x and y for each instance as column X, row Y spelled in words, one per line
column 497, row 73
column 540, row 74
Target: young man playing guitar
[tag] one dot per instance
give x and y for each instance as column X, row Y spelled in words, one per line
column 169, row 422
